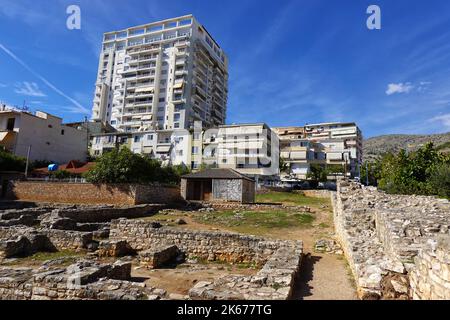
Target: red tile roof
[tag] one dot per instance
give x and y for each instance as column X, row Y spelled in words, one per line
column 74, row 167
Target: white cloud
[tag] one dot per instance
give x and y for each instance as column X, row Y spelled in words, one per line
column 444, row 119
column 399, row 88
column 77, row 107
column 2, row 85
column 29, row 89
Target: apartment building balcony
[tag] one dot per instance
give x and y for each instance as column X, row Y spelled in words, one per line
column 146, row 67
column 145, row 76
column 181, row 72
column 128, row 71
column 139, row 49
column 8, row 139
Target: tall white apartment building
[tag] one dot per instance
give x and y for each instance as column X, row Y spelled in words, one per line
column 161, row 76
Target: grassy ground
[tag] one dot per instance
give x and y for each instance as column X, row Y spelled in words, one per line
column 256, row 222
column 40, row 257
column 293, row 199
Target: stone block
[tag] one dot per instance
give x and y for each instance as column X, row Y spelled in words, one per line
column 115, row 248
column 156, row 258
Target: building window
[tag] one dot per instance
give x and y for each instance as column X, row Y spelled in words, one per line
column 162, row 99
column 224, row 160
column 137, row 139
column 50, row 126
column 176, row 117
column 62, row 132
column 180, row 153
column 11, row 123
column 176, row 125
column 194, row 150
column 150, row 137
column 196, row 136
column 194, row 165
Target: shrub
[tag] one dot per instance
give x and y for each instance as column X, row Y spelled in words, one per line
column 123, row 166
column 440, row 180
column 11, row 162
column 60, row 174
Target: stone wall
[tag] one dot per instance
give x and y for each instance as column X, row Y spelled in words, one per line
column 430, row 280
column 84, row 280
column 106, row 214
column 275, row 281
column 221, row 246
column 382, row 234
column 86, row 193
column 55, row 239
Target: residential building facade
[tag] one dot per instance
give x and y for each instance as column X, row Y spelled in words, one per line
column 251, row 149
column 101, row 143
column 43, row 136
column 161, row 76
column 325, row 144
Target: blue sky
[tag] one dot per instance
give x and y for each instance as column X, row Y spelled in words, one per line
column 291, row 62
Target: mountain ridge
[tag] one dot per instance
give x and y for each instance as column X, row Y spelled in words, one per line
column 376, row 146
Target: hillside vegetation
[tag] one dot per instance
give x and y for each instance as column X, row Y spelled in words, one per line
column 377, row 146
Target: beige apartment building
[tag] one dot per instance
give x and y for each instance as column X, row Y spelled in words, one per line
column 42, row 135
column 324, row 144
column 161, row 76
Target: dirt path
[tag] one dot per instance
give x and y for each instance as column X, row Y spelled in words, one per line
column 324, row 277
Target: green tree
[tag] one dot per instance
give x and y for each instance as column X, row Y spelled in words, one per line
column 413, row 173
column 284, row 166
column 123, row 166
column 11, row 162
column 371, row 170
column 317, row 173
column 440, row 180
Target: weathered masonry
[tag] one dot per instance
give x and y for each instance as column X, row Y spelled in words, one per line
column 87, row 193
column 280, row 259
column 218, row 185
column 397, row 246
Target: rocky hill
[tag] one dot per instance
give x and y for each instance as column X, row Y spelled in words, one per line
column 395, row 142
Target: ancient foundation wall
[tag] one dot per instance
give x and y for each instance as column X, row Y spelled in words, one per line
column 430, row 280
column 86, row 193
column 386, row 239
column 230, row 247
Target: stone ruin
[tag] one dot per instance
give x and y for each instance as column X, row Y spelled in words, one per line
column 280, row 260
column 397, row 246
column 109, row 232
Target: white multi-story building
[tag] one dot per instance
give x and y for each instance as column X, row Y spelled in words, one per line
column 171, row 147
column 324, row 144
column 251, row 149
column 42, row 135
column 161, row 76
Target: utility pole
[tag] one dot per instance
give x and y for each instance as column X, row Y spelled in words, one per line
column 367, row 174
column 87, row 136
column 28, row 159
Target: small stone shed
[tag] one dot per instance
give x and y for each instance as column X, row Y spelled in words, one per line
column 218, row 185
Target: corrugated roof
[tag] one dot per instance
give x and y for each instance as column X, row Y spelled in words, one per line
column 217, row 174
